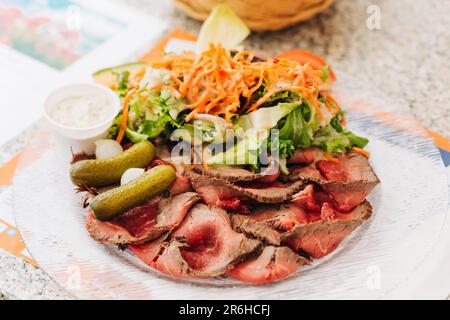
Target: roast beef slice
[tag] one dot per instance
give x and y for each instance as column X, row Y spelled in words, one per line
column 235, row 173
column 347, row 196
column 181, row 183
column 205, row 245
column 316, row 233
column 143, row 223
column 306, row 156
column 270, row 222
column 148, row 252
column 321, row 237
column 348, row 182
column 310, row 199
column 213, row 190
column 274, row 263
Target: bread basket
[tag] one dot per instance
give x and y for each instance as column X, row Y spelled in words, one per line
column 260, row 15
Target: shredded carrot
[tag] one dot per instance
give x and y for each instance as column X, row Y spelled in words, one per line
column 191, row 115
column 213, row 103
column 343, row 120
column 200, row 102
column 138, row 76
column 317, row 107
column 203, row 80
column 270, row 93
column 332, row 105
column 249, row 93
column 330, row 158
column 123, row 122
column 362, row 151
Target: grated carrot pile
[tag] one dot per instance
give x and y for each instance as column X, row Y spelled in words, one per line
column 216, row 82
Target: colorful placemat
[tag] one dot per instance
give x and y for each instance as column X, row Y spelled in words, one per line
column 10, row 239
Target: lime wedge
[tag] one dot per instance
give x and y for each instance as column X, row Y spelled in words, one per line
column 222, row 26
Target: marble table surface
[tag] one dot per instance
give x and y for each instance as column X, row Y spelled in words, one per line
column 407, row 59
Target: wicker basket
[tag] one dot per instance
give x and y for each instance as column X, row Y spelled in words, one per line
column 260, row 15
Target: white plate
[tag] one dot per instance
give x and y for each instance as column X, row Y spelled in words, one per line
column 387, row 257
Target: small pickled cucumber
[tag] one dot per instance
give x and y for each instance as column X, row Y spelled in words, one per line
column 115, row 202
column 99, row 173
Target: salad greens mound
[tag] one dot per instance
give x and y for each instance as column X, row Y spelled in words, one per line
column 178, row 98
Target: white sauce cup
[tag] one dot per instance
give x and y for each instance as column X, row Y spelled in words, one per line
column 82, row 139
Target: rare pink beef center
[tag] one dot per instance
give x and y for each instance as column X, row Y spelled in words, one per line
column 138, row 220
column 201, row 245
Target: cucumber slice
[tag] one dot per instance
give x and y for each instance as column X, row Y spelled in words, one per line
column 107, row 77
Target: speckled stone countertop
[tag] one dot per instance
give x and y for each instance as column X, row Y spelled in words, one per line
column 407, row 59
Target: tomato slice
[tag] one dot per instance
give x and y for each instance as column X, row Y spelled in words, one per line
column 304, row 56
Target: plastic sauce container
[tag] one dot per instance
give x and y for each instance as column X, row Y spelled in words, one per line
column 81, row 113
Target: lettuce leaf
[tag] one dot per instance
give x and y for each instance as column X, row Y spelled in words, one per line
column 150, row 117
column 286, row 96
column 356, row 141
column 245, row 152
column 266, row 118
column 153, row 128
column 301, row 129
column 115, row 127
column 325, row 73
column 202, row 131
column 299, row 126
column 239, row 154
column 334, row 138
column 213, row 126
column 222, row 26
column 333, row 141
column 286, row 148
column 134, row 136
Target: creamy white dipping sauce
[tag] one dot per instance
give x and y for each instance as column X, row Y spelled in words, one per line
column 82, row 111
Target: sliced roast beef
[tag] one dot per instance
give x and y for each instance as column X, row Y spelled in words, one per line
column 181, row 184
column 321, row 237
column 305, row 173
column 348, row 180
column 230, row 173
column 145, row 222
column 270, row 222
column 274, row 263
column 306, row 156
column 237, row 173
column 308, row 199
column 171, row 262
column 149, row 251
column 215, row 191
column 347, row 196
column 315, row 232
column 205, row 245
column 269, row 192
